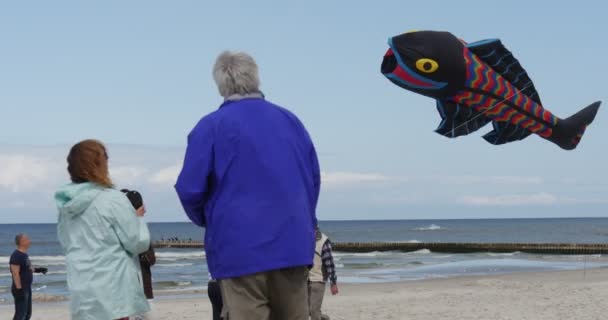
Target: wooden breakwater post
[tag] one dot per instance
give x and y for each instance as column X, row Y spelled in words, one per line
column 441, row 247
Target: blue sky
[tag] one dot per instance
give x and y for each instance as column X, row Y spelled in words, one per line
column 136, row 74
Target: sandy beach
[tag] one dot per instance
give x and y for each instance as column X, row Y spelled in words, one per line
column 534, row 296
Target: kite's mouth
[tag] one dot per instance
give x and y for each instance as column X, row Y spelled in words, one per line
column 389, row 63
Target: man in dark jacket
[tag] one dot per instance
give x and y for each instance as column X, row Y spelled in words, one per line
column 251, row 177
column 22, row 273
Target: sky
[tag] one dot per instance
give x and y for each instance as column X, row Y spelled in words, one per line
column 137, row 75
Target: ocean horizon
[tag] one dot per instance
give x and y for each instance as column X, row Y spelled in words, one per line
column 371, row 220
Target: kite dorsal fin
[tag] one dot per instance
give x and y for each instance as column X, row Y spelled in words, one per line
column 497, row 56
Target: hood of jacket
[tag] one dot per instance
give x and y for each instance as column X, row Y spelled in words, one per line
column 73, row 199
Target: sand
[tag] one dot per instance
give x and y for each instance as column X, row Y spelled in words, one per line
column 534, row 296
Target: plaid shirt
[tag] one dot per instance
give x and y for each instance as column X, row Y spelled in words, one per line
column 329, row 268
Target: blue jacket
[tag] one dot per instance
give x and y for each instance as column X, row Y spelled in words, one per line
column 251, row 177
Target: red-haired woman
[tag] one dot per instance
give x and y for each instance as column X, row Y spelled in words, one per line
column 102, row 235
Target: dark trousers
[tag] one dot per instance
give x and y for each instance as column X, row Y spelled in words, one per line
column 23, row 306
column 215, row 296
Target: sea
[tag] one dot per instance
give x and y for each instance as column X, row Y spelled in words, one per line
column 184, row 271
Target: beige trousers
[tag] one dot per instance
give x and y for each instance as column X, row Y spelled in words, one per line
column 273, row 295
column 316, row 291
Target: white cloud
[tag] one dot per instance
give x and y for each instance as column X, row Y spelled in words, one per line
column 19, row 173
column 402, row 198
column 341, row 178
column 541, row 198
column 127, row 175
column 516, row 180
column 166, row 176
column 501, row 180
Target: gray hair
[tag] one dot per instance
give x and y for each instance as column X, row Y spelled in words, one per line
column 18, row 238
column 236, row 73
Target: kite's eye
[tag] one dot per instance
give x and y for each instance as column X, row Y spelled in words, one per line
column 427, row 65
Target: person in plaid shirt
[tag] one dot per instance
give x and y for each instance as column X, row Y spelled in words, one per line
column 323, row 270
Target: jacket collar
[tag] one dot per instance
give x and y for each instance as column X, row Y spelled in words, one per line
column 238, row 97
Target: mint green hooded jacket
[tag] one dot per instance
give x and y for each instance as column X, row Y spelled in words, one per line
column 102, row 237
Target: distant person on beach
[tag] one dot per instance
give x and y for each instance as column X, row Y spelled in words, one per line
column 146, row 259
column 23, row 276
column 323, row 270
column 251, row 178
column 102, row 236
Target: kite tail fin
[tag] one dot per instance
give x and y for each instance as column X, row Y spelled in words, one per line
column 568, row 132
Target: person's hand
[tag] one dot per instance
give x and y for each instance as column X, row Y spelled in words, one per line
column 41, row 270
column 141, row 211
column 334, row 289
column 19, row 294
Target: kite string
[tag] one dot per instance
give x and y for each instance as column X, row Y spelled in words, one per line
column 491, row 107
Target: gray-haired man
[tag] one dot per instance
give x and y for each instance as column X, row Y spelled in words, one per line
column 251, row 177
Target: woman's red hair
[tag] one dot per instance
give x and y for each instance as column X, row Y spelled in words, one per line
column 88, row 162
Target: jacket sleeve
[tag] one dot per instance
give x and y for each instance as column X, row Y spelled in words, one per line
column 192, row 188
column 316, row 176
column 328, row 267
column 132, row 231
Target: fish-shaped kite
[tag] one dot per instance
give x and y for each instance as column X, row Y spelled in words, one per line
column 478, row 83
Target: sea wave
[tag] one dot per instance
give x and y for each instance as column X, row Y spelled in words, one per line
column 172, row 284
column 176, row 256
column 174, row 265
column 363, row 254
column 57, row 283
column 50, row 264
column 369, row 265
column 56, row 272
column 421, row 251
column 40, row 260
column 48, row 261
column 431, row 227
column 442, row 257
column 47, row 258
column 571, row 258
column 505, row 254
